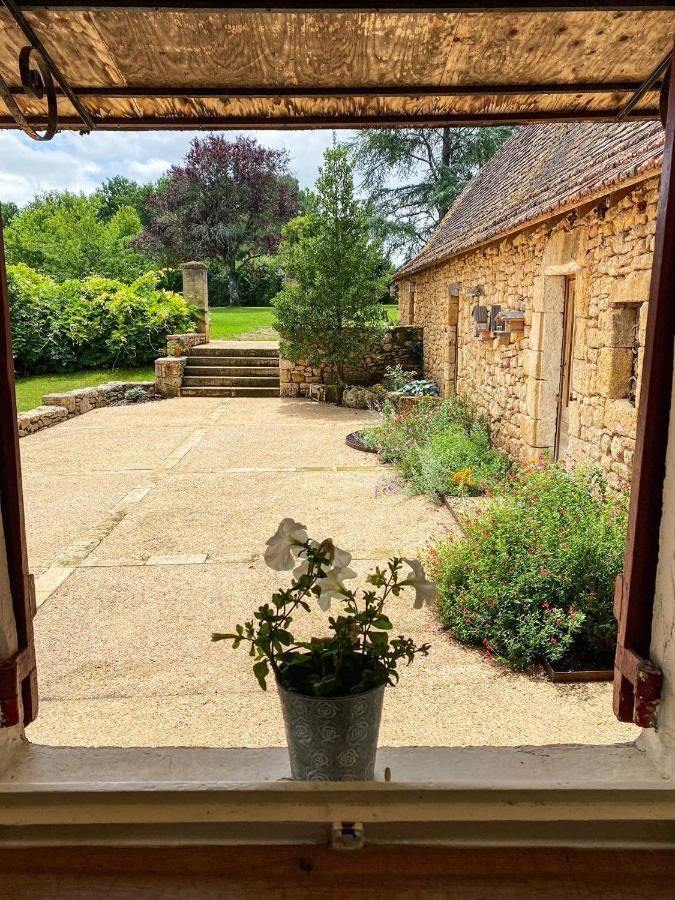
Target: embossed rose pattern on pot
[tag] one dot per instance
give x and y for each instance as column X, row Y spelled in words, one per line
column 332, row 739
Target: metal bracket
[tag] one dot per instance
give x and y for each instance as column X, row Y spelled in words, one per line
column 37, row 82
column 346, row 836
column 645, row 677
column 13, row 673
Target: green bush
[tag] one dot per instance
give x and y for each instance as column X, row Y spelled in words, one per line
column 535, row 573
column 93, row 323
column 439, row 449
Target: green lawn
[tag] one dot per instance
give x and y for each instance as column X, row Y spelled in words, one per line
column 30, row 390
column 240, row 323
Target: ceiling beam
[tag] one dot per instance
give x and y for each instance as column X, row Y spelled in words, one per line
column 401, row 120
column 419, row 90
column 468, row 6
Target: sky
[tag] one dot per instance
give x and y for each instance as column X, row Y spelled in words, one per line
column 81, row 162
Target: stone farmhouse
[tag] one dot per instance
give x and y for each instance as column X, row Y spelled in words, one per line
column 532, row 292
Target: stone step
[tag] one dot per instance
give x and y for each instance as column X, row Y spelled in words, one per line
column 232, row 371
column 229, row 392
column 214, row 350
column 234, row 361
column 241, row 381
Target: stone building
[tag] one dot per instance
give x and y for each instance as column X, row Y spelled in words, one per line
column 533, row 290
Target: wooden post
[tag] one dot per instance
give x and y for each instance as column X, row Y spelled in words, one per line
column 634, row 600
column 17, row 675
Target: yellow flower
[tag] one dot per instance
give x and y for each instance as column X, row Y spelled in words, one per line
column 463, row 477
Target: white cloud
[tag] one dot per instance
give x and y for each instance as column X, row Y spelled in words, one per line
column 77, row 162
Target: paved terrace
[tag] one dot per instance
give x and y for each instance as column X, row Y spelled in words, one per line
column 146, row 526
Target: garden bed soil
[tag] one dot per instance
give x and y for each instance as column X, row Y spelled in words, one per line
column 582, row 664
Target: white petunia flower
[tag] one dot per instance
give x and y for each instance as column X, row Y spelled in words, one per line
column 425, row 591
column 333, row 584
column 280, row 547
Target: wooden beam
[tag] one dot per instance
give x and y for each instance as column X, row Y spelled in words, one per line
column 407, row 90
column 291, row 121
column 293, row 6
column 635, row 601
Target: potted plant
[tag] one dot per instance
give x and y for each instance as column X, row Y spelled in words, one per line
column 332, row 687
column 173, row 348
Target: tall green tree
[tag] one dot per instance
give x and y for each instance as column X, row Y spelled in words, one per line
column 63, row 235
column 120, row 191
column 9, row 211
column 226, row 204
column 329, row 310
column 412, row 176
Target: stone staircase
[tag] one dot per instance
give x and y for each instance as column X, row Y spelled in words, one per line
column 226, row 371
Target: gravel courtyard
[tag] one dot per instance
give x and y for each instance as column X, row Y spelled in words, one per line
column 146, row 526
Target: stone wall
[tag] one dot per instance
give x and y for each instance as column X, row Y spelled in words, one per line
column 514, row 379
column 402, row 345
column 59, row 407
column 186, row 341
column 169, row 375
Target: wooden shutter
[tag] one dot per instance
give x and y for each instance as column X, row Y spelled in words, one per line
column 17, row 674
column 637, row 682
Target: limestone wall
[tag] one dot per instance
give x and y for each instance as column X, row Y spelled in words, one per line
column 59, row 407
column 400, row 346
column 607, row 246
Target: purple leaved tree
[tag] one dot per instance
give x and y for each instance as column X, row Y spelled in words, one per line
column 227, row 204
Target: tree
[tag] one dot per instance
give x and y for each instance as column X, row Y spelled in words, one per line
column 119, row 191
column 329, row 310
column 226, row 204
column 412, row 176
column 62, row 235
column 9, row 211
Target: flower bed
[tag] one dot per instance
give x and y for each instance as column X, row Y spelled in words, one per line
column 440, row 449
column 535, row 574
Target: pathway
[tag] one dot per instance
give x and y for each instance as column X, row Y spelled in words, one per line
column 146, row 526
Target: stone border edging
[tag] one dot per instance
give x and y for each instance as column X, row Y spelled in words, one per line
column 58, row 407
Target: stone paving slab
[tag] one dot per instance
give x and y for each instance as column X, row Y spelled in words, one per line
column 218, row 512
column 135, row 584
column 99, row 448
column 59, row 508
column 232, row 446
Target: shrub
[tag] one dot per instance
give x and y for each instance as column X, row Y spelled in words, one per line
column 535, row 573
column 439, row 449
column 93, row 323
column 135, row 395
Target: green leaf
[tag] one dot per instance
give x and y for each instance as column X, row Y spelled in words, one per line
column 261, row 671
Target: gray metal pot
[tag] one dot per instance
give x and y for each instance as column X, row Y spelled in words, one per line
column 332, row 738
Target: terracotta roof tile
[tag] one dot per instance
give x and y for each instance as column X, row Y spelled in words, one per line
column 541, row 169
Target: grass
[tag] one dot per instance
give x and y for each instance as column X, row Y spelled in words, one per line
column 31, row 389
column 240, row 323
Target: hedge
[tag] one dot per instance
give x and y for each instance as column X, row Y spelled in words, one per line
column 90, row 323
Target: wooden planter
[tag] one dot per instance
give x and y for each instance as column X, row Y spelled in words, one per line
column 571, row 676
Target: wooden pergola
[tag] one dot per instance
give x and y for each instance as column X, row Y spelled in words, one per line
column 195, row 65
column 181, row 65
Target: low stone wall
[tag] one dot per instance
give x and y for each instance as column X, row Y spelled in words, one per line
column 186, row 341
column 402, row 345
column 61, row 406
column 169, row 375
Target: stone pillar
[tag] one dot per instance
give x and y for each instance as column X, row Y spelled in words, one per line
column 196, row 291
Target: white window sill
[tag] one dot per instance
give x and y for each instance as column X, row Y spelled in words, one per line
column 553, row 795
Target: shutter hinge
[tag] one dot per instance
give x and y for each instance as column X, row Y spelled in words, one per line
column 13, row 674
column 647, row 680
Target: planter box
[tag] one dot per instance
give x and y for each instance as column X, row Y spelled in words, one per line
column 571, row 676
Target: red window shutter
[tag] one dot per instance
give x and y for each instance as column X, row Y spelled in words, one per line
column 637, row 682
column 17, row 674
